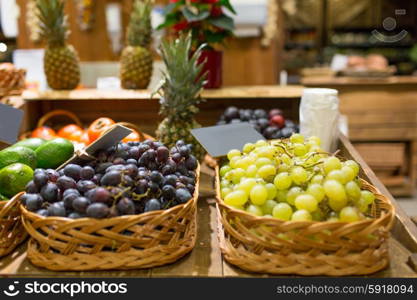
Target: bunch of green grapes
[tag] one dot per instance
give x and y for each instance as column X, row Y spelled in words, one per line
column 294, row 180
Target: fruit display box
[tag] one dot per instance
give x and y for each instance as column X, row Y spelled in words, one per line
column 206, row 260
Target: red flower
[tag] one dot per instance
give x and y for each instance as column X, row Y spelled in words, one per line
column 216, row 11
column 180, row 25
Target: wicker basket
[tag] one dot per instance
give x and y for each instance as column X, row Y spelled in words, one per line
column 308, row 248
column 12, row 232
column 12, row 81
column 127, row 242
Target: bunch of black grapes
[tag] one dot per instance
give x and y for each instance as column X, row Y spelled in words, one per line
column 126, row 179
column 272, row 124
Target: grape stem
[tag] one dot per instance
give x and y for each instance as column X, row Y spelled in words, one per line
column 284, row 149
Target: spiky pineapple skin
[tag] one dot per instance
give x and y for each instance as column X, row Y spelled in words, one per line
column 61, row 66
column 170, row 131
column 136, row 66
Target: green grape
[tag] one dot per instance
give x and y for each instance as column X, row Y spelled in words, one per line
column 240, row 207
column 233, row 153
column 282, row 211
column 224, row 170
column 353, row 191
column 229, row 175
column 296, row 138
column 263, row 161
column 307, row 202
column 353, row 165
column 224, row 183
column 315, row 140
column 317, row 215
column 237, row 175
column 316, row 190
column 283, row 181
column 336, row 175
column 348, row 173
column 335, row 191
column 268, row 207
column 293, row 193
column 272, row 190
column 281, row 195
column 251, row 171
column 348, row 214
column 368, row 197
column 301, row 215
column 331, row 163
column 267, row 172
column 248, row 147
column 234, row 161
column 236, row 198
column 300, row 149
column 225, row 191
column 299, row 175
column 283, row 168
column 258, row 194
column 268, row 216
column 333, row 219
column 267, row 151
column 247, row 184
column 317, row 179
column 261, row 143
column 362, row 205
column 286, row 159
column 245, row 162
column 254, row 210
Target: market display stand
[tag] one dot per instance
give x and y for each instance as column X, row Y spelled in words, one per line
column 382, row 116
column 206, row 259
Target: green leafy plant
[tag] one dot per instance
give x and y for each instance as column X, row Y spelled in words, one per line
column 205, row 19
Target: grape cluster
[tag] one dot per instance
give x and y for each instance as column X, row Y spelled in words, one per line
column 272, row 124
column 125, row 179
column 294, row 180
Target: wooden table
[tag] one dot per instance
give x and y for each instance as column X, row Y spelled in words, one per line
column 382, row 110
column 206, row 260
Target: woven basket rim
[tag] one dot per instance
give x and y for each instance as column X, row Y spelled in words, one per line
column 383, row 198
column 34, row 216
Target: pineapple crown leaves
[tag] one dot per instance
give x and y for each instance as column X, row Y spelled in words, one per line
column 183, row 79
column 139, row 30
column 53, row 22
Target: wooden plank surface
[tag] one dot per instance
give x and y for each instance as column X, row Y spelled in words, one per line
column 345, row 80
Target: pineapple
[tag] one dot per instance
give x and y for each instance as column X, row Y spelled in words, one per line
column 61, row 61
column 136, row 59
column 180, row 93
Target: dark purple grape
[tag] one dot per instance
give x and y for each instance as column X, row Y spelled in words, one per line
column 70, row 191
column 181, row 167
column 112, row 178
column 80, row 204
column 75, row 215
column 134, row 153
column 143, row 148
column 142, row 174
column 31, row 188
column 141, row 186
column 98, row 210
column 183, row 195
column 167, row 169
column 85, row 185
column 184, row 151
column 168, row 192
column 162, row 154
column 65, row 182
column 156, row 177
column 38, row 170
column 191, row 188
column 99, row 194
column 127, row 181
column 50, row 192
column 180, row 185
column 42, row 212
column 191, row 163
column 170, row 180
column 40, row 178
column 87, row 173
column 56, row 209
column 52, row 175
column 180, row 143
column 186, row 179
column 152, row 165
column 115, row 168
column 101, row 168
column 192, row 174
column 190, row 147
column 157, row 144
column 61, row 172
column 151, row 153
column 131, row 170
column 113, row 212
column 126, row 207
column 132, row 161
column 173, row 150
column 96, row 179
column 33, row 202
column 69, row 199
column 102, row 156
column 152, row 204
column 176, row 157
column 73, row 171
column 119, row 161
column 153, row 187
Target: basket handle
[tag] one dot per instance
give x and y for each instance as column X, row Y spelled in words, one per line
column 143, row 136
column 59, row 112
